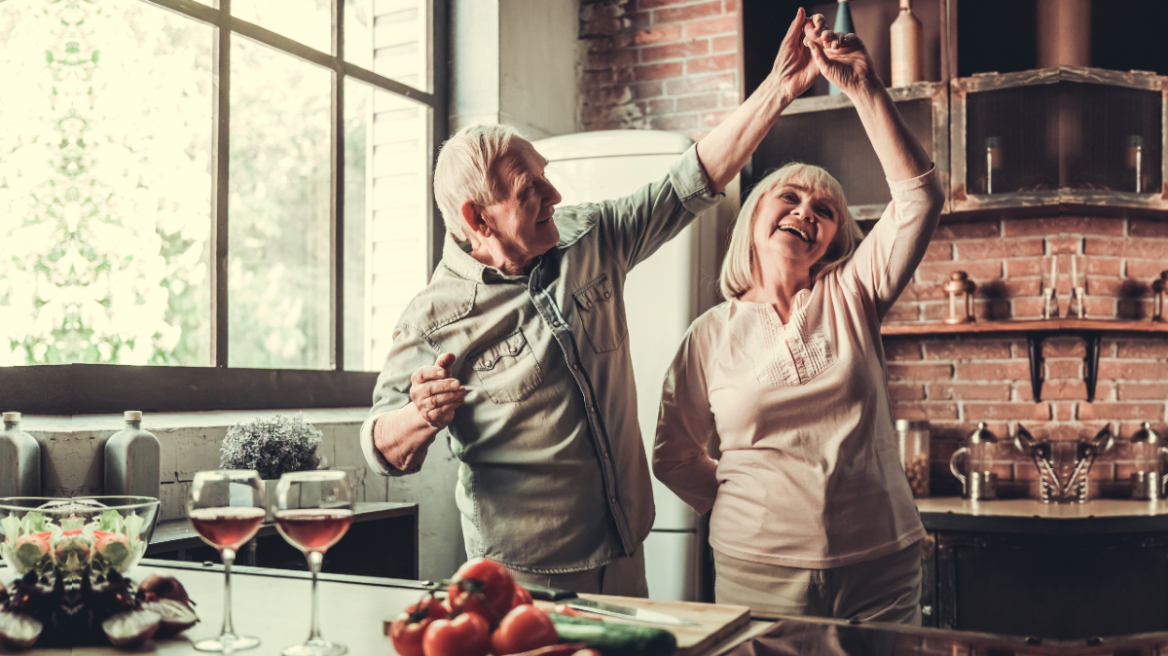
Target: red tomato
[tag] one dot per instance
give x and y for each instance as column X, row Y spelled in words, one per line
column 466, row 635
column 525, row 628
column 408, row 628
column 521, row 596
column 483, row 587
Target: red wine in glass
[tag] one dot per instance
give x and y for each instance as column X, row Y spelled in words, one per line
column 227, row 528
column 313, row 510
column 226, row 508
column 313, row 529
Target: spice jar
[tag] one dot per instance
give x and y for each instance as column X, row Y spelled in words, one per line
column 913, row 437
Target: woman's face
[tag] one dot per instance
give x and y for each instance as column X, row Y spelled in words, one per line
column 795, row 223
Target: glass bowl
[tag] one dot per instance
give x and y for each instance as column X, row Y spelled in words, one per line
column 69, row 536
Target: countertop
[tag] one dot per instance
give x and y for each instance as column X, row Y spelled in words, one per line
column 274, row 606
column 1099, row 516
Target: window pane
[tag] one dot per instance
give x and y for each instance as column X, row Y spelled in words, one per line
column 105, row 184
column 307, row 21
column 387, row 209
column 400, row 41
column 278, row 251
column 359, row 32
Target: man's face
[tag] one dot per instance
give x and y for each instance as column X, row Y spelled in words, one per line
column 521, row 220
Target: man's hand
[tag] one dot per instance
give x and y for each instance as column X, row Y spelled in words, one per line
column 404, row 436
column 794, row 67
column 843, row 60
column 435, row 395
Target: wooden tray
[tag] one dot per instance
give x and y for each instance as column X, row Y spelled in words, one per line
column 714, row 621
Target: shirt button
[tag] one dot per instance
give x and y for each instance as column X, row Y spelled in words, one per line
column 606, row 455
column 613, row 499
column 575, row 367
column 555, row 324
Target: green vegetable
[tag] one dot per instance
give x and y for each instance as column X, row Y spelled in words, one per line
column 612, row 639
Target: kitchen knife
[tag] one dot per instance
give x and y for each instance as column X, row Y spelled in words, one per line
column 570, row 599
column 573, row 601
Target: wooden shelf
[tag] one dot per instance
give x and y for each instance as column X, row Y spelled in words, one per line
column 1036, row 325
column 1037, row 330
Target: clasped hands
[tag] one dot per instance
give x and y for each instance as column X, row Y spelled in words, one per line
column 810, row 49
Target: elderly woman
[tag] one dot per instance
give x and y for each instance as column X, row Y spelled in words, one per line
column 811, row 511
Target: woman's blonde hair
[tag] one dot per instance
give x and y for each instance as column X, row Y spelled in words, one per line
column 464, row 171
column 738, row 268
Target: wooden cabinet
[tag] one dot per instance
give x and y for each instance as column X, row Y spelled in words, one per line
column 1055, row 571
column 1004, row 133
column 382, row 541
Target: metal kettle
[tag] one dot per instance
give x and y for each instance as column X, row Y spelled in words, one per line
column 980, row 484
column 1147, row 481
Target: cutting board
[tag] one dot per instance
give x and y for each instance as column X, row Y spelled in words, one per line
column 714, row 622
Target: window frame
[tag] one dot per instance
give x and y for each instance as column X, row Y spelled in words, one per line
column 101, row 388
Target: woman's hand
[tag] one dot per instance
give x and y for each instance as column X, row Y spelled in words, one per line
column 794, row 68
column 843, row 60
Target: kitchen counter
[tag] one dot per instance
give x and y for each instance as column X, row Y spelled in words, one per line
column 1097, row 517
column 1063, row 571
column 274, row 606
column 812, row 637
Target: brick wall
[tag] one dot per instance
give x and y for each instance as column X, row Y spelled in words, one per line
column 659, row 64
column 955, row 382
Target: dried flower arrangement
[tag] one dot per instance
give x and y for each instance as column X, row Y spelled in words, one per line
column 272, row 446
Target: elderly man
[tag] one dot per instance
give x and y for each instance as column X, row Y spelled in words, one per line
column 518, row 345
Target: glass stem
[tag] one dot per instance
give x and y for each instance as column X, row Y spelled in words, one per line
column 228, row 556
column 314, row 560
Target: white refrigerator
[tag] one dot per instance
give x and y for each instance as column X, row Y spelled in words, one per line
column 663, row 295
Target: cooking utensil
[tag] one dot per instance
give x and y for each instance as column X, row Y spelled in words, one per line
column 1087, row 452
column 572, row 600
column 1039, row 453
column 604, row 608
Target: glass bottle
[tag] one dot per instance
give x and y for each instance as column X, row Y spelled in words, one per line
column 133, row 460
column 843, row 25
column 20, row 460
column 1135, row 158
column 993, row 149
column 905, row 45
column 913, row 438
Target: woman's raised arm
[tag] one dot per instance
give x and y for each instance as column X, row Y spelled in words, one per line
column 844, row 61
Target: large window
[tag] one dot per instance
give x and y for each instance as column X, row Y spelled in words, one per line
column 212, row 205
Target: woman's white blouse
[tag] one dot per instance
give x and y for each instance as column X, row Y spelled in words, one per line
column 809, row 475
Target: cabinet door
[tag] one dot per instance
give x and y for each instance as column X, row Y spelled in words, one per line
column 1059, row 587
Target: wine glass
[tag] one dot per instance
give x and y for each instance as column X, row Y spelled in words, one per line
column 313, row 510
column 226, row 508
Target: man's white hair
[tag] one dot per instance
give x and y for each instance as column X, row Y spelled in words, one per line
column 465, row 171
column 741, row 263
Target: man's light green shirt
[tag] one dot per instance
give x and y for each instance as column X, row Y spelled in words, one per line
column 553, row 475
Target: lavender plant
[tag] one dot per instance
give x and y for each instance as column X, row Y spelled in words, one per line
column 271, row 446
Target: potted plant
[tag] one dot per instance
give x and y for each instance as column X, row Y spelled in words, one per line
column 272, row 447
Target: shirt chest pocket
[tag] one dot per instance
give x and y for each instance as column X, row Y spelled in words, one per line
column 602, row 314
column 508, row 370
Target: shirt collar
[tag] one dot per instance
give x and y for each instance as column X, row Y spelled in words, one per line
column 458, row 260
